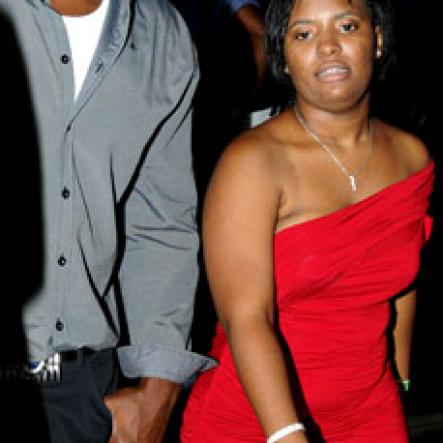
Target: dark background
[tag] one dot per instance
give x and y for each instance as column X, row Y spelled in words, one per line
column 21, row 239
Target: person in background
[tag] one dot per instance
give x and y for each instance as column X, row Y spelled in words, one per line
column 313, row 225
column 110, row 84
column 209, row 18
column 250, row 16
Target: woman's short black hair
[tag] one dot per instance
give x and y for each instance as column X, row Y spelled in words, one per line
column 277, row 19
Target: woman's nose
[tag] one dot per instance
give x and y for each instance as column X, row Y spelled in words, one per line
column 328, row 44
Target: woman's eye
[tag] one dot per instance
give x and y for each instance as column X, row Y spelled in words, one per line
column 349, row 27
column 302, row 35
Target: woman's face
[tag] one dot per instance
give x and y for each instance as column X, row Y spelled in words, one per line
column 330, row 50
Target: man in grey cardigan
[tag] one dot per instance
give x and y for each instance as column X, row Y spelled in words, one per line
column 111, row 84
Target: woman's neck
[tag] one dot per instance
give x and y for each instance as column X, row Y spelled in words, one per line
column 342, row 129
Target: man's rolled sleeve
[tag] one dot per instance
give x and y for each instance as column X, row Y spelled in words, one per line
column 162, row 362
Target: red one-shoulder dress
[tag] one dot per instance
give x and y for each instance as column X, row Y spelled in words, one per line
column 334, row 276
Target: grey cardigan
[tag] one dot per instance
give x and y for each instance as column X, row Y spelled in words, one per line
column 118, row 194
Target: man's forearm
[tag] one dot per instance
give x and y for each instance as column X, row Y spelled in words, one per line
column 141, row 414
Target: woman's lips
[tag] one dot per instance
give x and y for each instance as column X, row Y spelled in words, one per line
column 333, row 72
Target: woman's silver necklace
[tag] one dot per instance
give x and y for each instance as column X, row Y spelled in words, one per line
column 329, row 150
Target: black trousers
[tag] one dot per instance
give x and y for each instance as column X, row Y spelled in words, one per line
column 71, row 411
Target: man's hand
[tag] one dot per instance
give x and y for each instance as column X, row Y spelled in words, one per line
column 141, row 414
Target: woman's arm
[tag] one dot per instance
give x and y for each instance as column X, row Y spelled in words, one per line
column 405, row 313
column 239, row 219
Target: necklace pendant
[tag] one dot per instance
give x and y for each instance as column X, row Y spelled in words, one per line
column 353, row 183
column 329, row 150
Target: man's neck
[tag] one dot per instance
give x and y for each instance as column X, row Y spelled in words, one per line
column 75, row 8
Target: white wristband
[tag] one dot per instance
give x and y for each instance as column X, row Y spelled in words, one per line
column 283, row 432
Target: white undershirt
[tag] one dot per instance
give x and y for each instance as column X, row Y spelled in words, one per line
column 84, row 34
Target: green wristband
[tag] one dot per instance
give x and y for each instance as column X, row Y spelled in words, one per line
column 405, row 384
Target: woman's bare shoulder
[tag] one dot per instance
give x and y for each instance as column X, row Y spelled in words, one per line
column 245, row 184
column 410, row 147
column 254, row 150
column 245, row 167
column 246, row 152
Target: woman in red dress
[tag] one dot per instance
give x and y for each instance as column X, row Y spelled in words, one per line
column 313, row 225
